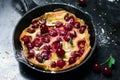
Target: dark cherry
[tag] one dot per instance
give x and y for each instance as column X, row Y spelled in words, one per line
column 63, row 32
column 46, row 39
column 61, row 63
column 68, row 26
column 38, row 34
column 82, row 2
column 53, row 64
column 72, row 20
column 67, row 18
column 30, row 30
column 39, row 58
column 26, row 39
column 58, row 24
column 72, row 34
column 82, row 29
column 107, row 71
column 81, row 43
column 60, row 52
column 57, row 45
column 29, row 45
column 97, row 67
column 37, row 42
column 35, row 25
column 53, row 32
column 81, row 51
column 66, row 38
column 44, row 29
column 72, row 60
column 31, row 53
column 77, row 25
column 47, row 48
column 75, row 54
column 45, row 55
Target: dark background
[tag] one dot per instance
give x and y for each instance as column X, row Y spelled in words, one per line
column 106, row 18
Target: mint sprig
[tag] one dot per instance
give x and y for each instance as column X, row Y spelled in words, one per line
column 111, row 61
column 71, row 42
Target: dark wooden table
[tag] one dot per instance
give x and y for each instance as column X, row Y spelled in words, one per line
column 106, row 18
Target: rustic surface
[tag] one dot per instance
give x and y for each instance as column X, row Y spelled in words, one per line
column 106, row 17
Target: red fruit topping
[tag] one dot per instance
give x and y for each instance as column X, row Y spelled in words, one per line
column 30, row 30
column 81, row 51
column 29, row 45
column 72, row 60
column 44, row 29
column 107, row 71
column 66, row 18
column 60, row 52
column 38, row 34
column 37, row 42
column 82, row 2
column 47, row 48
column 72, row 34
column 53, row 64
column 82, row 29
column 72, row 20
column 31, row 53
column 63, row 32
column 45, row 55
column 57, row 45
column 53, row 32
column 77, row 25
column 75, row 54
column 68, row 26
column 97, row 67
column 81, row 43
column 35, row 25
column 26, row 39
column 39, row 58
column 58, row 24
column 46, row 39
column 66, row 38
column 61, row 63
column 59, row 39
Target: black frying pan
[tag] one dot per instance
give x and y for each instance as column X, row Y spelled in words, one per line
column 40, row 10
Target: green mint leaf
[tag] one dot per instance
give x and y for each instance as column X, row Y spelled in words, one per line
column 111, row 62
column 71, row 42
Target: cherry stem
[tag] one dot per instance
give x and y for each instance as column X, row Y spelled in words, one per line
column 106, row 60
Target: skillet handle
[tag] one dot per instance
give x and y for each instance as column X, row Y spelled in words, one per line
column 28, row 4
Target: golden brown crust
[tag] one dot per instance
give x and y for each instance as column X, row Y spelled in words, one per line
column 51, row 18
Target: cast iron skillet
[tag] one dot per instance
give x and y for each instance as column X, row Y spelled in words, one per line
column 40, row 10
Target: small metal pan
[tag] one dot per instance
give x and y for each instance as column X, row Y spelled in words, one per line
column 40, row 10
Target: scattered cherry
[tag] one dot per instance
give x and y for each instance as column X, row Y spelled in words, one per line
column 60, row 52
column 26, row 39
column 67, row 18
column 66, row 38
column 61, row 63
column 57, row 45
column 82, row 29
column 63, row 32
column 29, row 45
column 35, row 25
column 77, row 25
column 53, row 64
column 37, row 42
column 72, row 20
column 43, row 21
column 30, row 30
column 72, row 60
column 39, row 58
column 106, row 71
column 72, row 34
column 81, row 43
column 58, row 24
column 44, row 29
column 47, row 48
column 46, row 39
column 68, row 26
column 97, row 67
column 82, row 2
column 53, row 32
column 31, row 53
column 45, row 55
